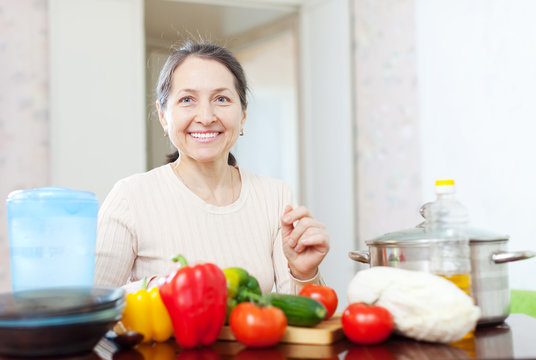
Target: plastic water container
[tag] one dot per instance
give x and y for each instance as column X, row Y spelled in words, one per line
column 52, row 237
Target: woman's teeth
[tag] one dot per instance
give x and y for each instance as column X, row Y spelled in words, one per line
column 204, row 135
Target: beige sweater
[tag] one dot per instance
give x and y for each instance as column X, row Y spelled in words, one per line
column 147, row 218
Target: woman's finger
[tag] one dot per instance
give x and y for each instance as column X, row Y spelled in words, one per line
column 300, row 227
column 295, row 214
column 313, row 237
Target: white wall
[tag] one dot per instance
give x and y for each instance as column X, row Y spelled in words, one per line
column 477, row 83
column 97, row 100
column 326, row 131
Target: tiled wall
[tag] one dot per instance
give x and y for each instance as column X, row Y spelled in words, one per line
column 24, row 147
column 388, row 159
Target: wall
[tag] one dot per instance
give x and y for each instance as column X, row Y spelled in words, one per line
column 24, row 122
column 97, row 117
column 387, row 126
column 327, row 132
column 477, row 82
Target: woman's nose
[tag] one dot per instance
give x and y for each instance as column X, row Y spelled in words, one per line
column 205, row 113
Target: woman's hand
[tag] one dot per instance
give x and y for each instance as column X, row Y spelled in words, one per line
column 305, row 241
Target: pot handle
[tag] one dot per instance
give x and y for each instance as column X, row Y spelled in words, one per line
column 361, row 256
column 501, row 257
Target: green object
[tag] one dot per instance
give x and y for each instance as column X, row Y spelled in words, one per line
column 240, row 287
column 299, row 310
column 523, row 302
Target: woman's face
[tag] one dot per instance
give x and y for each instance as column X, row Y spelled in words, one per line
column 203, row 115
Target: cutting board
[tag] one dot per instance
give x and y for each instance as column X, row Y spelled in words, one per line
column 325, row 333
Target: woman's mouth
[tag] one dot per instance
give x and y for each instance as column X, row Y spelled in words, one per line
column 204, row 137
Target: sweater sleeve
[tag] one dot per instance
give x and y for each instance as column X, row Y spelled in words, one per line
column 285, row 282
column 116, row 239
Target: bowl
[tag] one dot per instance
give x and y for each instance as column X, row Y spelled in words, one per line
column 56, row 322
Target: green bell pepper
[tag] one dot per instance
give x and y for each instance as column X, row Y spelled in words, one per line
column 241, row 287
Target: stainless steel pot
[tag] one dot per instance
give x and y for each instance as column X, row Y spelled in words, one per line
column 409, row 249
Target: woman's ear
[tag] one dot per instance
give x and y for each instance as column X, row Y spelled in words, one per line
column 244, row 116
column 161, row 117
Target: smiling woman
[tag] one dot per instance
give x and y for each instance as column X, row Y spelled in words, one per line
column 201, row 204
column 204, row 119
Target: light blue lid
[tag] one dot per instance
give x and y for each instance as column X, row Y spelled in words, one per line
column 51, row 193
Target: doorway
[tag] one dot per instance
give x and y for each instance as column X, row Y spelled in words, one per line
column 265, row 41
column 300, row 130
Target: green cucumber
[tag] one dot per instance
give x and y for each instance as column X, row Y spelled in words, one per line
column 299, row 310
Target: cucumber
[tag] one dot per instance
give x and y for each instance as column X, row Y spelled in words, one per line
column 299, row 310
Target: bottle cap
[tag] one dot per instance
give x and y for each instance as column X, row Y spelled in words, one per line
column 444, row 182
column 444, row 187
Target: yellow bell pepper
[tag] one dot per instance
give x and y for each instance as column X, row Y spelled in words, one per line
column 145, row 313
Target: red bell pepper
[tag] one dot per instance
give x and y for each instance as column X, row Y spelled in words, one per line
column 196, row 299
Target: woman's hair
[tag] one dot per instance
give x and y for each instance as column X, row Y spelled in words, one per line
column 205, row 51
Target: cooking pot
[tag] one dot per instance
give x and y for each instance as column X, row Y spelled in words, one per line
column 410, row 249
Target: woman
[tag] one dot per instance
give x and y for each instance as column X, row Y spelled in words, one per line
column 201, row 204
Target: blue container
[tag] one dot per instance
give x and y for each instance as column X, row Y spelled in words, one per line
column 52, row 237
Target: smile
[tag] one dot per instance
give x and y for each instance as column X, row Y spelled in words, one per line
column 204, row 136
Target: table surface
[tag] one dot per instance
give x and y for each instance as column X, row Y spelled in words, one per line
column 515, row 338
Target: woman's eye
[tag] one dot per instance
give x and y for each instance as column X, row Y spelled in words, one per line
column 186, row 99
column 222, row 99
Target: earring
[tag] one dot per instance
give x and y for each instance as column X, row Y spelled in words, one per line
column 241, row 132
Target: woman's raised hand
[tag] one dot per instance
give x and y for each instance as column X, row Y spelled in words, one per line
column 305, row 241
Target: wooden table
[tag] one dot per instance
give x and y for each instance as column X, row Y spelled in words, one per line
column 514, row 339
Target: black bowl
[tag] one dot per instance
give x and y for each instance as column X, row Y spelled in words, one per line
column 54, row 302
column 48, row 325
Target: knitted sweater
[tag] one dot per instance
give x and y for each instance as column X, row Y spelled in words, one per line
column 148, row 218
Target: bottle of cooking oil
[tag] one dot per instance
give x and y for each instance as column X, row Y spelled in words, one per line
column 450, row 254
column 446, row 223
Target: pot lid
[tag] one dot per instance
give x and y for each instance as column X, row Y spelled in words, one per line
column 419, row 234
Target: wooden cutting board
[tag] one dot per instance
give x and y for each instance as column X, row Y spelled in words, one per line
column 327, row 332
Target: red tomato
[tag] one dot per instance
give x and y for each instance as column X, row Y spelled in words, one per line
column 367, row 324
column 323, row 294
column 257, row 326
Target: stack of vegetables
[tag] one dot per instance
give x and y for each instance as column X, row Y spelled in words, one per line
column 194, row 302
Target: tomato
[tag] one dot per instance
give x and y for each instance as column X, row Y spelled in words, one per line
column 323, row 294
column 257, row 326
column 367, row 324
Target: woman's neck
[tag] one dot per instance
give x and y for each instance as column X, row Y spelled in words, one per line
column 217, row 183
